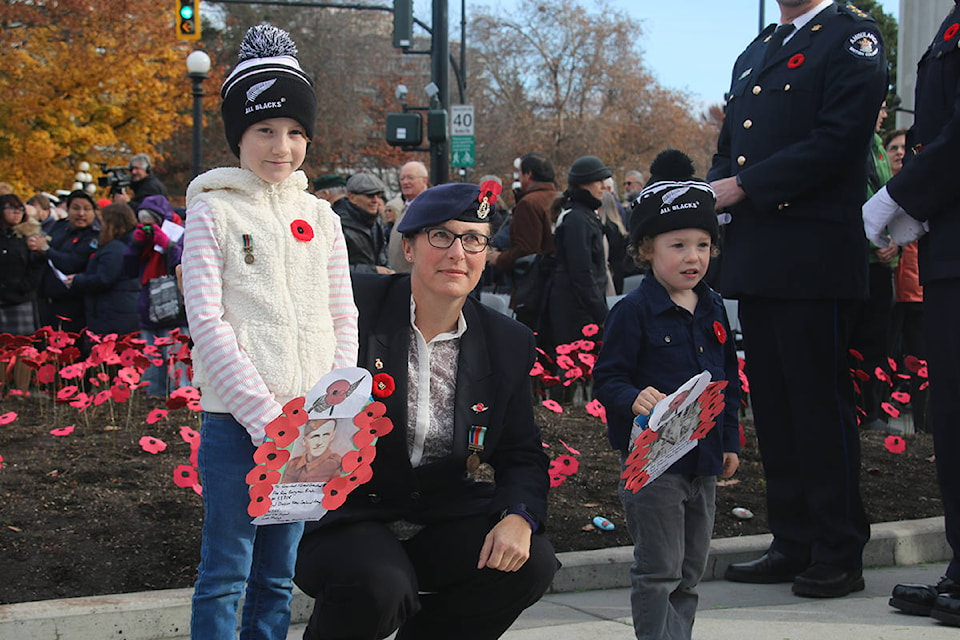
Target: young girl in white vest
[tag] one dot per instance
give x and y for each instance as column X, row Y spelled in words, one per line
column 270, row 309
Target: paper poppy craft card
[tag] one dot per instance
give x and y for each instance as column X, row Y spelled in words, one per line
column 319, row 449
column 673, row 428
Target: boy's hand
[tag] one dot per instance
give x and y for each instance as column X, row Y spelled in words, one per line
column 646, row 401
column 731, row 462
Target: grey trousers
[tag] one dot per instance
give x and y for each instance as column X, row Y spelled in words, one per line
column 670, row 521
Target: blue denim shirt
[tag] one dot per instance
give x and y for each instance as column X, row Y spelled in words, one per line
column 649, row 340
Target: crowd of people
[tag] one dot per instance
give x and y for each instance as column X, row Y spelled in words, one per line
column 829, row 227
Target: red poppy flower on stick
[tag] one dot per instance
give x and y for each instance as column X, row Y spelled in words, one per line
column 895, row 444
column 8, row 417
column 185, row 476
column 891, row 410
column 152, row 445
column 597, row 410
column 567, row 465
column 301, row 230
column 569, row 448
column 81, row 401
column 900, row 396
column 46, row 374
column 156, row 415
column 552, row 405
column 67, row 392
column 128, row 375
column 62, row 431
column 190, row 436
column 856, row 354
column 120, row 392
column 590, row 330
column 72, row 371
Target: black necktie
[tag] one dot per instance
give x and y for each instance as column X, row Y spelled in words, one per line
column 776, row 40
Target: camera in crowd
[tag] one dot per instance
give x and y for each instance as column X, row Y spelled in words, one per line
column 114, row 177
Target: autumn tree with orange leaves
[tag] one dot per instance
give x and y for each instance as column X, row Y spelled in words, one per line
column 85, row 81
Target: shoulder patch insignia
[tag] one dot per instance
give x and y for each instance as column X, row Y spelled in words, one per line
column 864, row 44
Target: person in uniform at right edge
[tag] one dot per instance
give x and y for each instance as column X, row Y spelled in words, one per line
column 925, row 193
column 790, row 170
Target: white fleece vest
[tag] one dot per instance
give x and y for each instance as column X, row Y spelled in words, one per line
column 278, row 305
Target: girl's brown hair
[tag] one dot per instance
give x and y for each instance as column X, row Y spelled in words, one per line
column 116, row 220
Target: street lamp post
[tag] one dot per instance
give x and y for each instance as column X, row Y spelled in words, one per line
column 198, row 66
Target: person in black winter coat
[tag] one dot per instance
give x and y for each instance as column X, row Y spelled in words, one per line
column 363, row 228
column 67, row 250
column 577, row 295
column 19, row 272
column 110, row 296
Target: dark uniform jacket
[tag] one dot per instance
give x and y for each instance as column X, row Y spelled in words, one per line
column 496, row 354
column 928, row 187
column 365, row 236
column 796, row 131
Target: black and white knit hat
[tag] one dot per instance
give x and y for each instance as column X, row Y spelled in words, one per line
column 673, row 199
column 267, row 83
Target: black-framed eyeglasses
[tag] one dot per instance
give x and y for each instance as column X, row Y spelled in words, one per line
column 472, row 242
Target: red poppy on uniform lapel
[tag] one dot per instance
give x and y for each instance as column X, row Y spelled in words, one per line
column 951, row 31
column 795, row 61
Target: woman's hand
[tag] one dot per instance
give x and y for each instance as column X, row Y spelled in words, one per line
column 507, row 546
column 38, row 242
column 646, row 401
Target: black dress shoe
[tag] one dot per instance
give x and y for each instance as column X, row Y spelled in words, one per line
column 918, row 599
column 946, row 608
column 769, row 568
column 827, row 581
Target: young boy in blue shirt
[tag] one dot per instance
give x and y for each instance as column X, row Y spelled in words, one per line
column 670, row 328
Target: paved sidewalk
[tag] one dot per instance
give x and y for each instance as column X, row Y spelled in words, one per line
column 589, row 599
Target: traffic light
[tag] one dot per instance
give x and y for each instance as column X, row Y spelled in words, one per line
column 188, row 19
column 403, row 23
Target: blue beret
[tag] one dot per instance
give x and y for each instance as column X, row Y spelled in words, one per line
column 453, row 201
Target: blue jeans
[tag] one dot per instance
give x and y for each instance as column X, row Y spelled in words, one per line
column 164, row 378
column 670, row 522
column 234, row 552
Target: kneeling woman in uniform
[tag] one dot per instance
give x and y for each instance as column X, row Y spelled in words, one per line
column 424, row 547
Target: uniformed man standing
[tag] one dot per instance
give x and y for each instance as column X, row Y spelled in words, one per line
column 790, row 169
column 926, row 191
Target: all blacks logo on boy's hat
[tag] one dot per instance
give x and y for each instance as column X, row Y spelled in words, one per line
column 673, row 199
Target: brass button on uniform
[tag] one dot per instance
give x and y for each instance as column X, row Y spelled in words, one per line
column 747, row 124
column 786, row 87
column 666, row 338
column 742, row 160
column 757, row 90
